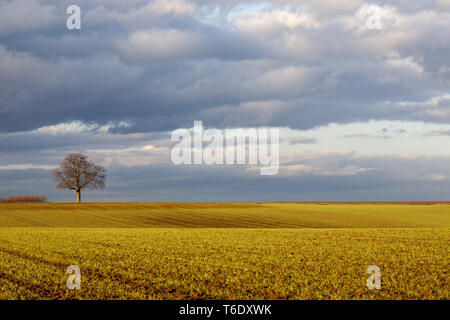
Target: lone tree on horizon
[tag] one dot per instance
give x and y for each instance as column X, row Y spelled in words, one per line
column 77, row 173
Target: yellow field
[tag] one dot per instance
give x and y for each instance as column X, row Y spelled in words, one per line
column 225, row 215
column 224, row 251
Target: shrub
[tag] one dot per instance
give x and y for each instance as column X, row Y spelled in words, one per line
column 24, row 199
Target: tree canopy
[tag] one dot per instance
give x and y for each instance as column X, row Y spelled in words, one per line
column 76, row 173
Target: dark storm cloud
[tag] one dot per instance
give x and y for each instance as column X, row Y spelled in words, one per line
column 422, row 180
column 161, row 64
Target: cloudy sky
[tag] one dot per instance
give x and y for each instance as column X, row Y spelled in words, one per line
column 360, row 91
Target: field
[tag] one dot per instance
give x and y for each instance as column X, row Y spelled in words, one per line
column 224, row 251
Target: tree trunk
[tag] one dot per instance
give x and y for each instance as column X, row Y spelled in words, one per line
column 78, row 195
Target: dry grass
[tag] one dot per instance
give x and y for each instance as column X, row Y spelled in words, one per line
column 224, row 215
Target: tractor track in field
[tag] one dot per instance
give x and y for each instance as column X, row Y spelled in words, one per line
column 94, row 274
column 41, row 290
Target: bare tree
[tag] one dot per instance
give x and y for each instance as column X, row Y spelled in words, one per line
column 77, row 173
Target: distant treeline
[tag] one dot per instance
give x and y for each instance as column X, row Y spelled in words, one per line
column 24, row 199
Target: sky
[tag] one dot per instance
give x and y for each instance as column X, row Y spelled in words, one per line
column 360, row 91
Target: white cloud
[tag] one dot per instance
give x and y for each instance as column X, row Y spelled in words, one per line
column 161, row 44
column 19, row 16
column 333, row 8
column 407, row 65
column 76, row 127
column 374, row 17
column 26, row 166
column 140, row 14
column 175, row 7
column 275, row 21
column 433, row 107
column 443, row 4
column 301, row 169
column 437, row 177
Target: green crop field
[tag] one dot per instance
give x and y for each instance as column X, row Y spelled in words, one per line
column 224, row 251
